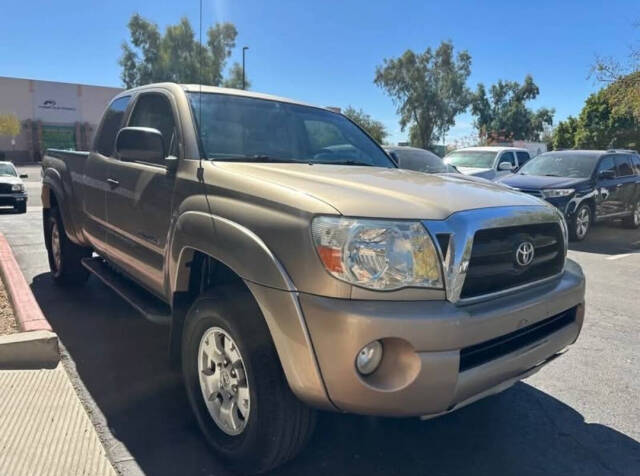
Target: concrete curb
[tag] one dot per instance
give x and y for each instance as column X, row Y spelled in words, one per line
column 31, row 349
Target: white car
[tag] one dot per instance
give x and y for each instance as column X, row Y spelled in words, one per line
column 12, row 191
column 488, row 162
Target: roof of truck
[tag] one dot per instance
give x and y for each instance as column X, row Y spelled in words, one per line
column 214, row 89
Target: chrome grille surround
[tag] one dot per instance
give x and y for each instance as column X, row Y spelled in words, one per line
column 461, row 227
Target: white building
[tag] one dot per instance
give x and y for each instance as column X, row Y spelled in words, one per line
column 52, row 114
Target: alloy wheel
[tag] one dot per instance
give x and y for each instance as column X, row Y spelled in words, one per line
column 583, row 220
column 56, row 249
column 223, row 381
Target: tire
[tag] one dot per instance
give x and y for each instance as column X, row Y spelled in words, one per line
column 580, row 223
column 277, row 425
column 21, row 208
column 633, row 221
column 64, row 255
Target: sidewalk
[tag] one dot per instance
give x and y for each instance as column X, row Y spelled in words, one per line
column 44, row 429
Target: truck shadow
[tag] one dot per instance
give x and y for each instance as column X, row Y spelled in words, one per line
column 121, row 360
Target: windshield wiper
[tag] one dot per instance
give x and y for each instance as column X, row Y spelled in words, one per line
column 344, row 162
column 551, row 175
column 253, row 158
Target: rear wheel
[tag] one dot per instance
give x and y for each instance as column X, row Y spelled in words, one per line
column 236, row 386
column 633, row 220
column 64, row 255
column 581, row 223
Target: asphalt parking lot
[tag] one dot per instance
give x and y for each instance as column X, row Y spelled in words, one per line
column 580, row 415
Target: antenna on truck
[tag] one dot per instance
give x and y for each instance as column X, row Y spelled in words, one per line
column 201, row 151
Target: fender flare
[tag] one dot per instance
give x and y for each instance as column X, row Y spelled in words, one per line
column 52, row 179
column 229, row 242
column 248, row 256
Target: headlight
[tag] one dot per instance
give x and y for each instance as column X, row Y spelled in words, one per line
column 557, row 192
column 17, row 187
column 377, row 254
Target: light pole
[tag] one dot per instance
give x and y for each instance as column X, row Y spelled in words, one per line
column 244, row 48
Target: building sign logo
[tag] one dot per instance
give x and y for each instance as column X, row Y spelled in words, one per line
column 51, row 104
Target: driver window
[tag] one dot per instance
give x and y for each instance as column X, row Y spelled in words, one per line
column 607, row 164
column 153, row 110
column 508, row 157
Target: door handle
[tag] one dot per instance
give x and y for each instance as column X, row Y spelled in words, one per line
column 113, row 183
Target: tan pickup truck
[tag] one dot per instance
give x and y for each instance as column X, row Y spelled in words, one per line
column 300, row 269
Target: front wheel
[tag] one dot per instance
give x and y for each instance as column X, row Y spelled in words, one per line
column 236, row 386
column 581, row 223
column 633, row 220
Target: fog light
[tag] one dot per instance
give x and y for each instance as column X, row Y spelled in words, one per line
column 369, row 357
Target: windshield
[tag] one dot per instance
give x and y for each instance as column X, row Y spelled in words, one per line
column 561, row 165
column 236, row 128
column 480, row 159
column 7, row 170
column 421, row 160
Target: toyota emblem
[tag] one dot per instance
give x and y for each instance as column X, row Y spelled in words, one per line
column 525, row 253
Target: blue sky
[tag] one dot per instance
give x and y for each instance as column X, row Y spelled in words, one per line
column 325, row 52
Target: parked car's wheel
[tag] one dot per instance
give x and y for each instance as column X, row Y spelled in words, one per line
column 64, row 255
column 581, row 223
column 236, row 385
column 633, row 220
column 21, row 207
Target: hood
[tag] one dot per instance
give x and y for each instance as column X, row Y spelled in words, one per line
column 537, row 182
column 471, row 178
column 376, row 192
column 11, row 180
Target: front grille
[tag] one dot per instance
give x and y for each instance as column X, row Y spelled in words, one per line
column 535, row 193
column 487, row 351
column 5, row 188
column 493, row 266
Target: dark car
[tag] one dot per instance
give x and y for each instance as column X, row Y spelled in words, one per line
column 586, row 185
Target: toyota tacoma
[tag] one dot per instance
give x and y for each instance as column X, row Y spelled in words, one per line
column 300, row 269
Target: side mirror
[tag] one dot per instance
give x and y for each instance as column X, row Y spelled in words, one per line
column 140, row 143
column 606, row 175
column 24, row 176
column 505, row 166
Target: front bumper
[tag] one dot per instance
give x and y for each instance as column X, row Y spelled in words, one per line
column 421, row 372
column 12, row 199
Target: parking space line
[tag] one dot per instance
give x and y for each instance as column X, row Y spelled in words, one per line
column 619, row 256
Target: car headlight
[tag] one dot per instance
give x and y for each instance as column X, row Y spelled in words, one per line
column 557, row 192
column 377, row 254
column 17, row 187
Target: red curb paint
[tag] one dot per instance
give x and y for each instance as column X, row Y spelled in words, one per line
column 25, row 307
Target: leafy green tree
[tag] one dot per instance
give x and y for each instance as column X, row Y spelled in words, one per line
column 177, row 56
column 234, row 78
column 502, row 115
column 428, row 89
column 375, row 129
column 602, row 126
column 9, row 125
column 564, row 135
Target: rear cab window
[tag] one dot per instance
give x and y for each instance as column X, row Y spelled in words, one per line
column 111, row 124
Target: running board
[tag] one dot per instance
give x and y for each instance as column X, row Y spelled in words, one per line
column 144, row 302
